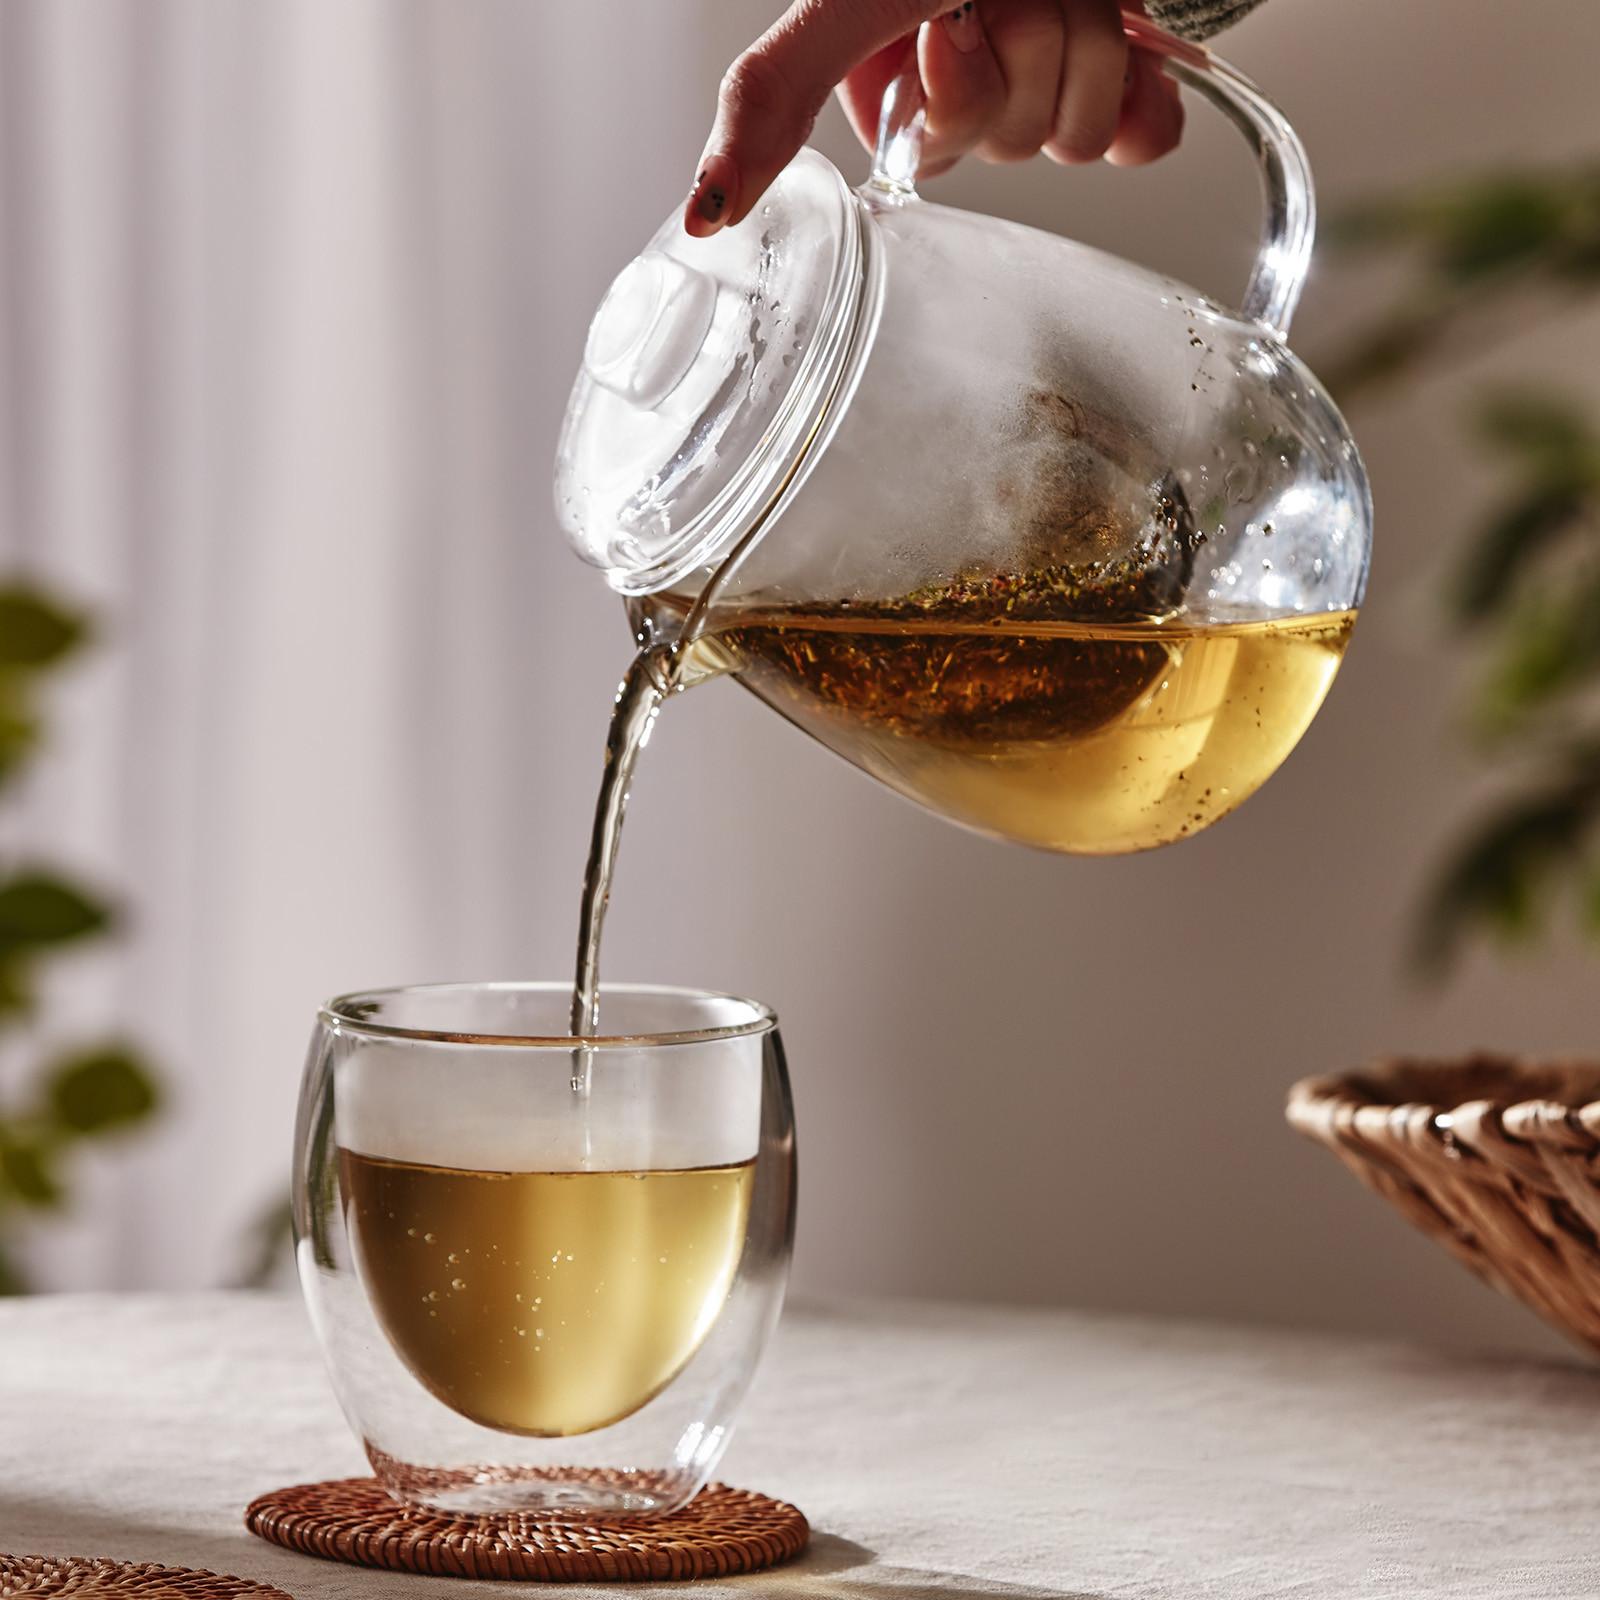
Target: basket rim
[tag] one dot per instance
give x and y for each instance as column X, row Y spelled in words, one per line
column 1521, row 1096
column 1494, row 1156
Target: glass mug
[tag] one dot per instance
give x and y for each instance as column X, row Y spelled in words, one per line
column 542, row 1270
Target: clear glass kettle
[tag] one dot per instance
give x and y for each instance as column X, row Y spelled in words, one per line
column 1046, row 541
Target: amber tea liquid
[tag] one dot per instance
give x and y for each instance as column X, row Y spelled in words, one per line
column 1089, row 737
column 544, row 1303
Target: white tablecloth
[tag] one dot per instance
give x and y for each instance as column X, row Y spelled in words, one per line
column 938, row 1450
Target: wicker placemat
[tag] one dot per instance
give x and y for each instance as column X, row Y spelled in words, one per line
column 86, row 1575
column 721, row 1532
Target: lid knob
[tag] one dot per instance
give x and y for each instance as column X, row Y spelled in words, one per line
column 649, row 328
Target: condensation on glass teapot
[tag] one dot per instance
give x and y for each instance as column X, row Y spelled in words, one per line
column 946, row 489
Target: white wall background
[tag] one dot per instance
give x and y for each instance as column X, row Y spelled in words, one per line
column 290, row 296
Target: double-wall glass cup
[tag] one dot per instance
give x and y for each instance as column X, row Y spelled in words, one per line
column 542, row 1269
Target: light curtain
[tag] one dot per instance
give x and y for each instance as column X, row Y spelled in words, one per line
column 289, row 293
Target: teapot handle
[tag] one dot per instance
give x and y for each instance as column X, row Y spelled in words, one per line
column 1284, row 257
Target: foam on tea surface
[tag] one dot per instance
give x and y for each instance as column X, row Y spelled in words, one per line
column 542, row 1262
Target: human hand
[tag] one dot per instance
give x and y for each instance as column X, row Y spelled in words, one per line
column 1004, row 79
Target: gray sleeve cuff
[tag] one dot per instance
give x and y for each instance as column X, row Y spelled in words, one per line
column 1199, row 19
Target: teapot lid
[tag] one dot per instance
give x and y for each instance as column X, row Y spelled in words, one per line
column 704, row 374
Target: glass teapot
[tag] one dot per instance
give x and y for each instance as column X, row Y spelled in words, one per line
column 1052, row 544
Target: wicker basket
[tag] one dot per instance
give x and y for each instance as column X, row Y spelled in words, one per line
column 1497, row 1159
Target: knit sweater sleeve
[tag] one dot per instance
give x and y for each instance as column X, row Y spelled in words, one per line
column 1199, row 19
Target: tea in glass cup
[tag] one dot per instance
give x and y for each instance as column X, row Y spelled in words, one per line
column 542, row 1269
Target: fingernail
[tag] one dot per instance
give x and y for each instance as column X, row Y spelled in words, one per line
column 715, row 192
column 964, row 29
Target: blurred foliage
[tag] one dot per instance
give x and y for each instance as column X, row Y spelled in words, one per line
column 1485, row 256
column 83, row 1092
column 1484, row 253
column 267, row 1249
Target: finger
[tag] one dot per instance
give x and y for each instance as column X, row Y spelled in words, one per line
column 1152, row 114
column 1027, row 37
column 963, row 84
column 1091, row 81
column 771, row 95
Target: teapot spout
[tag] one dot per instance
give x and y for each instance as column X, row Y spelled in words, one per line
column 675, row 657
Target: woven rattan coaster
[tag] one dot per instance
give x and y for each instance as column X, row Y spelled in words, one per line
column 81, row 1575
column 721, row 1532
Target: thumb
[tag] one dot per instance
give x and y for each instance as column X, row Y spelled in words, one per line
column 771, row 96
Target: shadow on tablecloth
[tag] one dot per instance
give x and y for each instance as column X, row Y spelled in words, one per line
column 839, row 1569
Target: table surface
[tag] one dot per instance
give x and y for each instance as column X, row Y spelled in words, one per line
column 944, row 1451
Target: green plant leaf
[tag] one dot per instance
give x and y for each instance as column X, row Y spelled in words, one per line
column 1499, row 223
column 1474, row 228
column 1498, row 878
column 1486, row 252
column 1399, row 341
column 19, row 733
column 25, row 1170
column 1478, row 243
column 1550, row 647
column 16, row 993
column 1552, row 430
column 268, row 1247
column 35, row 630
column 95, row 1091
column 1579, row 263
column 1591, row 904
column 39, row 908
column 12, row 1282
column 1387, row 221
column 1513, row 536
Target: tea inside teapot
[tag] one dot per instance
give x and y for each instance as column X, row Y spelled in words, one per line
column 993, row 704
